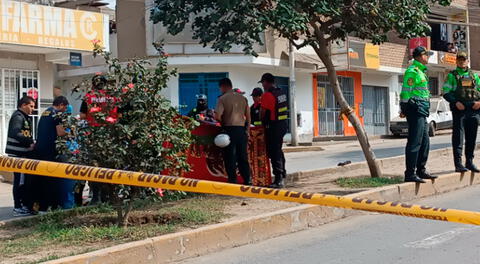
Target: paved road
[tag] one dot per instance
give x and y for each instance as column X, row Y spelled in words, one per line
column 341, row 151
column 372, row 238
column 6, row 201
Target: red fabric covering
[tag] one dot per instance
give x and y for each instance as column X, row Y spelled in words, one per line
column 206, row 159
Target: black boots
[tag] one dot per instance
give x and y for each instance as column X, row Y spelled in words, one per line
column 427, row 176
column 278, row 184
column 469, row 165
column 460, row 168
column 414, row 178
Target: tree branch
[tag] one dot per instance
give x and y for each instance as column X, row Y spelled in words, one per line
column 325, row 25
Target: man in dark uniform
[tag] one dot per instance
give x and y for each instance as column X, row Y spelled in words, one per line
column 49, row 128
column 20, row 144
column 255, row 109
column 201, row 112
column 274, row 111
column 462, row 91
column 415, row 105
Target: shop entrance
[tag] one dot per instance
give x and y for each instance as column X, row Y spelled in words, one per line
column 15, row 84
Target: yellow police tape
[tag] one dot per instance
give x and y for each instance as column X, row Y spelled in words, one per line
column 79, row 172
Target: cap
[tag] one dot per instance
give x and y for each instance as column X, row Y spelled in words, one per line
column 237, row 90
column 267, row 77
column 99, row 81
column 420, row 50
column 201, row 97
column 257, row 91
column 462, row 54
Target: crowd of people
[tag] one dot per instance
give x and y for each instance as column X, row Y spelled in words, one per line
column 232, row 113
column 36, row 194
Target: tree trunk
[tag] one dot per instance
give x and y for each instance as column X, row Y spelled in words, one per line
column 324, row 54
column 123, row 212
column 123, row 206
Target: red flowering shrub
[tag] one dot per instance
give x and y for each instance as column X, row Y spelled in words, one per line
column 134, row 139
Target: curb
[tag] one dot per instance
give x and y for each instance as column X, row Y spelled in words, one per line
column 208, row 239
column 383, row 163
column 302, row 149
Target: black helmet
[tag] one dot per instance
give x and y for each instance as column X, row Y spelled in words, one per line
column 99, row 82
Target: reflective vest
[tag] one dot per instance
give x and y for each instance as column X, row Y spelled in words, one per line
column 466, row 90
column 415, row 83
column 103, row 101
column 281, row 104
column 255, row 114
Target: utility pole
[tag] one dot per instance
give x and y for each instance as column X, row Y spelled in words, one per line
column 293, row 107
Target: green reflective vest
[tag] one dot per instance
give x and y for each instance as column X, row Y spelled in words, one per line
column 462, row 85
column 415, row 83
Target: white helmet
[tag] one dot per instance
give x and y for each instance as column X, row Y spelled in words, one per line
column 222, row 140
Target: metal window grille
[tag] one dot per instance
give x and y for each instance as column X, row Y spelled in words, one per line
column 328, row 108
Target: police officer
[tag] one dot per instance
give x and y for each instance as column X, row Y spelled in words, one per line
column 255, row 109
column 20, row 143
column 201, row 111
column 415, row 105
column 274, row 111
column 462, row 91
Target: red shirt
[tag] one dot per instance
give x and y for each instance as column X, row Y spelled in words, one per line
column 268, row 103
column 94, row 100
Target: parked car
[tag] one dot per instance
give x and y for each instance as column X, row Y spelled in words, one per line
column 440, row 118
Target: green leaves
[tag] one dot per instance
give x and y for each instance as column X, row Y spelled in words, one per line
column 223, row 24
column 147, row 135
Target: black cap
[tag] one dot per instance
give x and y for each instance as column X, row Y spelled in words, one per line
column 420, row 50
column 99, row 81
column 257, row 91
column 267, row 77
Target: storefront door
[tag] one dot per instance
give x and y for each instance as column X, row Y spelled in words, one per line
column 375, row 109
column 191, row 84
column 15, row 84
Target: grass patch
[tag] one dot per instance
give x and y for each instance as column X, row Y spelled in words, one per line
column 366, row 182
column 72, row 231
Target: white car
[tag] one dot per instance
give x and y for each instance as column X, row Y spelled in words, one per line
column 440, row 118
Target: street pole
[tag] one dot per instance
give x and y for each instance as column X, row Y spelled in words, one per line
column 293, row 108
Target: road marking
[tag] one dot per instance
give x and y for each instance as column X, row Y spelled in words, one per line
column 438, row 239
